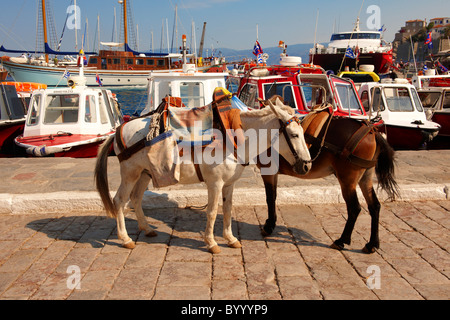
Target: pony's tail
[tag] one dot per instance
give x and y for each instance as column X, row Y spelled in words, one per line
column 101, row 177
column 385, row 168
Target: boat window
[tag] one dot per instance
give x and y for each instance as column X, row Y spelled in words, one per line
column 129, row 61
column 111, row 108
column 61, row 109
column 161, row 62
column 192, row 94
column 116, row 61
column 140, row 62
column 284, row 90
column 417, row 101
column 150, row 62
column 13, row 103
column 377, row 100
column 34, row 110
column 446, row 104
column 90, row 115
column 347, row 96
column 429, row 99
column 365, row 100
column 103, row 113
column 356, row 35
column 248, row 95
column 398, row 99
column 93, row 60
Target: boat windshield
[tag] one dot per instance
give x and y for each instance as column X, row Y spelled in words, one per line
column 429, row 98
column 356, row 35
column 348, row 97
column 12, row 102
column 192, row 94
column 281, row 89
column 398, row 99
column 61, row 108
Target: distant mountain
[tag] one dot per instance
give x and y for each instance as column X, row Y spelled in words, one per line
column 300, row 50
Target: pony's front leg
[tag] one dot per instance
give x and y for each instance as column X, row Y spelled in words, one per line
column 211, row 214
column 227, row 193
column 136, row 198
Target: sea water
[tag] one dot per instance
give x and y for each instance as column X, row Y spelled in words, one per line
column 132, row 101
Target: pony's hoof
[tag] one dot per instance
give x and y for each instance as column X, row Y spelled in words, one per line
column 214, row 250
column 368, row 249
column 151, row 234
column 336, row 246
column 235, row 245
column 129, row 245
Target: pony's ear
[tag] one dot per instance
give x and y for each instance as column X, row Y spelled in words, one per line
column 274, row 109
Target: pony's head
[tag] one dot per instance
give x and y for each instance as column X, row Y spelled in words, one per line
column 292, row 146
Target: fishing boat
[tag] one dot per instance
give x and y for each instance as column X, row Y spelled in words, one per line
column 302, row 86
column 69, row 122
column 434, row 92
column 398, row 104
column 113, row 68
column 12, row 118
column 194, row 87
column 349, row 50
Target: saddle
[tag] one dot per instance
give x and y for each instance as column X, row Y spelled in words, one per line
column 315, row 126
column 172, row 115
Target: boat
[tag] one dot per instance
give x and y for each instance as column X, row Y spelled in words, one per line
column 350, row 50
column 434, row 92
column 113, row 68
column 398, row 104
column 69, row 122
column 194, row 87
column 302, row 86
column 12, row 118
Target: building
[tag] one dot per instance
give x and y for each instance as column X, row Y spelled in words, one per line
column 411, row 28
column 440, row 25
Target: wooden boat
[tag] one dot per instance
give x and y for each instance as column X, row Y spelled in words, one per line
column 398, row 104
column 113, row 68
column 69, row 122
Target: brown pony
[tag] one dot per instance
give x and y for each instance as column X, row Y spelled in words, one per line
column 353, row 151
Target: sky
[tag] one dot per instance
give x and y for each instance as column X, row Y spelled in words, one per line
column 230, row 24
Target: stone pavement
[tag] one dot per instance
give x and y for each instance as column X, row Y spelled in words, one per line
column 44, row 256
column 53, row 233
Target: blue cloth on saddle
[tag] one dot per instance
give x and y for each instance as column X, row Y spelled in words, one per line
column 192, row 126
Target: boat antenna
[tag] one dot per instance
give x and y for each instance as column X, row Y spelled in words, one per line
column 353, row 32
column 315, row 34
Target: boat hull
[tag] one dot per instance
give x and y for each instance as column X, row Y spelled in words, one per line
column 8, row 132
column 73, row 146
column 381, row 61
column 407, row 137
column 53, row 76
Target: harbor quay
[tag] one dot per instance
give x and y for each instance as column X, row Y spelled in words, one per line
column 57, row 243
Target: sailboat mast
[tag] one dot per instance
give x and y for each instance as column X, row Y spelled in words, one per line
column 125, row 22
column 44, row 20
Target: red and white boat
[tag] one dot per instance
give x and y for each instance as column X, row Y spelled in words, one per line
column 367, row 48
column 302, row 86
column 69, row 122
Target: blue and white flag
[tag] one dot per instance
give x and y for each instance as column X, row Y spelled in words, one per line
column 257, row 50
column 66, row 74
column 350, row 54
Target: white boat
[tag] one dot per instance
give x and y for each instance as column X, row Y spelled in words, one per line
column 398, row 104
column 69, row 122
column 194, row 87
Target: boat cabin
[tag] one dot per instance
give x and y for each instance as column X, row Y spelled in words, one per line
column 72, row 110
column 121, row 60
column 12, row 107
column 436, row 101
column 302, row 88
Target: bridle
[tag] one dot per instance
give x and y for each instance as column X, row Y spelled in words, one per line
column 283, row 126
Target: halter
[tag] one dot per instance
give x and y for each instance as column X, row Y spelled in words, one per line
column 283, row 126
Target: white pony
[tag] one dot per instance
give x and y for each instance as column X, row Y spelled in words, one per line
column 218, row 177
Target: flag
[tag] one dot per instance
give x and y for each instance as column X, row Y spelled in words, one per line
column 441, row 67
column 97, row 79
column 429, row 41
column 66, row 74
column 350, row 54
column 382, row 29
column 257, row 49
